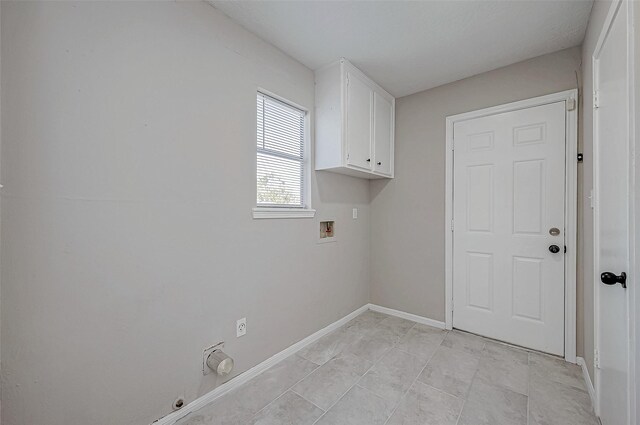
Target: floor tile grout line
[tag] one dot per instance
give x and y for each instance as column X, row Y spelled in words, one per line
column 368, row 370
column 265, row 407
column 412, row 384
column 394, row 346
column 342, row 396
column 341, row 352
column 464, row 403
column 289, row 388
column 373, row 364
column 397, row 404
column 499, row 386
column 442, row 391
column 304, row 398
column 370, row 390
column 466, row 396
column 345, row 393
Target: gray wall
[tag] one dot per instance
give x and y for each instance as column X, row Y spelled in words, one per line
column 128, row 164
column 596, row 22
column 407, row 213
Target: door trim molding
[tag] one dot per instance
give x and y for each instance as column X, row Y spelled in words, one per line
column 571, row 204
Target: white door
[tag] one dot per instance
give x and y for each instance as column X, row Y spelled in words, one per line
column 382, row 133
column 508, row 212
column 611, row 216
column 358, row 122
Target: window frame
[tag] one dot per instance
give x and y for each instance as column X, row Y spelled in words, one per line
column 287, row 211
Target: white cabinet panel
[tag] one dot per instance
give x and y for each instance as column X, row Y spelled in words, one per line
column 358, row 121
column 382, row 134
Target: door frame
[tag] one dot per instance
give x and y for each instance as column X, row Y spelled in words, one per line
column 631, row 291
column 570, row 97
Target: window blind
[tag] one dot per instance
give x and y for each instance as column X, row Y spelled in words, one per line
column 280, row 155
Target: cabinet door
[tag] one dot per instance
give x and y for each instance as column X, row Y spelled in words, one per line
column 382, row 134
column 358, row 122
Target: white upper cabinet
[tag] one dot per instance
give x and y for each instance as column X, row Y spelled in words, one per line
column 354, row 123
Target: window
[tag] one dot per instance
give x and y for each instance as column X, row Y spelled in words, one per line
column 280, row 155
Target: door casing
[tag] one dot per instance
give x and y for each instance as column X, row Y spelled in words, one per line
column 570, row 97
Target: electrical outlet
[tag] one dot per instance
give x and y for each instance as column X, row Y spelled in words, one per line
column 241, row 327
column 355, row 213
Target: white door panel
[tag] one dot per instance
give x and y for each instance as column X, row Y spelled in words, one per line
column 358, row 122
column 509, row 180
column 611, row 215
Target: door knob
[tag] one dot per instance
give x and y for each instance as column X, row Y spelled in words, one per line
column 609, row 278
column 368, row 159
column 379, row 163
column 554, row 249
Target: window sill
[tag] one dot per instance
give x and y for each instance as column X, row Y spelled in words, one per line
column 263, row 212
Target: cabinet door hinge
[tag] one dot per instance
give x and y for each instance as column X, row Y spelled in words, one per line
column 596, row 359
column 571, row 104
column 596, row 99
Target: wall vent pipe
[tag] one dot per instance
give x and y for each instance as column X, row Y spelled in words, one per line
column 220, row 362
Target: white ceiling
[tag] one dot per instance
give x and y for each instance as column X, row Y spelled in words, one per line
column 410, row 46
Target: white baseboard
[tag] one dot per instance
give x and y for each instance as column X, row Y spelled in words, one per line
column 244, row 377
column 587, row 380
column 408, row 316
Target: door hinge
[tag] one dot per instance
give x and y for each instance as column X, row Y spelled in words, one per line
column 347, row 156
column 571, row 104
column 452, row 225
column 596, row 359
column 347, row 79
column 596, row 99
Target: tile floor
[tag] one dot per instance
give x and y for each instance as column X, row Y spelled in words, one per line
column 379, row 369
